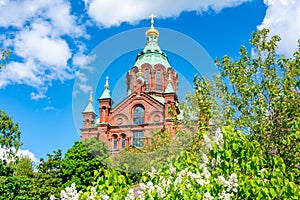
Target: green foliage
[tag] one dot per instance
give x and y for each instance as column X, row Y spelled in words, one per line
column 15, row 188
column 10, row 135
column 263, row 96
column 23, row 167
column 5, row 169
column 96, row 148
column 162, row 151
column 196, row 175
column 81, row 160
column 110, row 182
column 48, row 179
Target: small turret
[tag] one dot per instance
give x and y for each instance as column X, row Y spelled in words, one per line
column 105, row 103
column 89, row 114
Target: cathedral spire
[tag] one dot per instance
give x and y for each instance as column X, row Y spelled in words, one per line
column 169, row 88
column 91, row 97
column 106, row 86
column 152, row 30
column 152, row 20
column 106, row 92
column 89, row 107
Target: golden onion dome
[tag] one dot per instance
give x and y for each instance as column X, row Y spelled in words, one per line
column 152, row 30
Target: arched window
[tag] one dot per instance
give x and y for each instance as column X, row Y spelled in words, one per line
column 115, row 139
column 147, row 78
column 138, row 138
column 123, row 141
column 138, row 115
column 158, row 80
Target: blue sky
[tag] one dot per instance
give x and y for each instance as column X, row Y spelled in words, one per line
column 55, row 43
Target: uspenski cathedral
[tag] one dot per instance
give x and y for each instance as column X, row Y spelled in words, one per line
column 151, row 91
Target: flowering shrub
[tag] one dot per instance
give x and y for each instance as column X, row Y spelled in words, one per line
column 229, row 166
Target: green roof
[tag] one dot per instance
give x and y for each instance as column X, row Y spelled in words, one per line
column 89, row 108
column 105, row 94
column 152, row 54
column 169, row 88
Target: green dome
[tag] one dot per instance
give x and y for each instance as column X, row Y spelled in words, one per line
column 152, row 54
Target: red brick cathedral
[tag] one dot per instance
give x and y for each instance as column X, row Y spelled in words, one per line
column 151, row 91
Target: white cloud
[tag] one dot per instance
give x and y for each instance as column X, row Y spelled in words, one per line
column 16, row 13
column 39, row 33
column 112, row 13
column 81, row 75
column 39, row 44
column 37, row 96
column 49, row 108
column 20, row 153
column 27, row 153
column 283, row 18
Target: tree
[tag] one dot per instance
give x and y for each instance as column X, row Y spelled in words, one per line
column 23, row 167
column 81, row 160
column 14, row 187
column 10, row 135
column 48, row 178
column 262, row 96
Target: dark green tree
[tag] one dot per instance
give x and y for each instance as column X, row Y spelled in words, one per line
column 23, row 167
column 15, row 188
column 81, row 160
column 48, row 178
column 10, row 135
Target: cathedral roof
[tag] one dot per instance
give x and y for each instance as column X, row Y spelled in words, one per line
column 106, row 92
column 169, row 88
column 152, row 54
column 89, row 107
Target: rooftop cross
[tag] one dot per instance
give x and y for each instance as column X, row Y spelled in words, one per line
column 106, row 84
column 152, row 20
column 91, row 97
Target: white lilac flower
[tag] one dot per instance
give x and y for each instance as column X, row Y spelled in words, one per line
column 172, row 169
column 218, row 137
column 205, row 159
column 201, row 181
column 70, row 193
column 93, row 194
column 207, row 142
column 152, row 172
column 143, row 186
column 160, row 192
column 207, row 196
column 52, row 197
column 223, row 181
column 224, row 195
column 141, row 195
column 130, row 195
column 205, row 171
column 149, row 184
column 105, row 197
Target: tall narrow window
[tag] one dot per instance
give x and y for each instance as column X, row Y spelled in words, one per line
column 115, row 143
column 138, row 138
column 123, row 141
column 158, row 80
column 138, row 115
column 147, row 78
